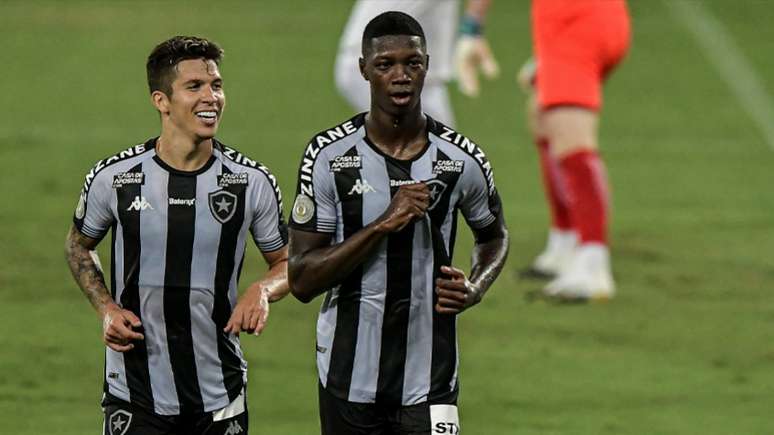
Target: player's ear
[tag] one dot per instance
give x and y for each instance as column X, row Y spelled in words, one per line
column 160, row 101
column 361, row 63
column 427, row 62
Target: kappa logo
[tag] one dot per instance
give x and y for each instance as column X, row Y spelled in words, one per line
column 119, row 421
column 139, row 204
column 233, row 428
column 361, row 187
column 223, row 204
column 437, row 188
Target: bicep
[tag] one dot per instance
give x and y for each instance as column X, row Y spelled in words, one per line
column 302, row 242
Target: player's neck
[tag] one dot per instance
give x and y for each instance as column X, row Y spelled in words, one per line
column 402, row 136
column 183, row 153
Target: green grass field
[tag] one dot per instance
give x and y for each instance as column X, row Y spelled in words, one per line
column 686, row 348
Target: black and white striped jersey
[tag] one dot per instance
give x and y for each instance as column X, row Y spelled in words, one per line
column 378, row 337
column 178, row 246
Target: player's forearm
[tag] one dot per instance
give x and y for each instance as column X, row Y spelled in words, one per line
column 276, row 281
column 312, row 272
column 488, row 260
column 83, row 263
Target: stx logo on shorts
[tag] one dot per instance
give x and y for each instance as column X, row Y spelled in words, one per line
column 139, row 204
column 119, row 421
column 361, row 187
column 233, row 428
column 446, row 427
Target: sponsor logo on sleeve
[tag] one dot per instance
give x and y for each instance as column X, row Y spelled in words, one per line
column 80, row 209
column 346, row 162
column 122, row 179
column 442, row 166
column 235, row 179
column 303, row 209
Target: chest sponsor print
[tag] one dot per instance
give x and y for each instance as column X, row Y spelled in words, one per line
column 448, row 166
column 235, row 179
column 346, row 162
column 122, row 179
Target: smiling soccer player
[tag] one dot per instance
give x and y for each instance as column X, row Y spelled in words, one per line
column 179, row 206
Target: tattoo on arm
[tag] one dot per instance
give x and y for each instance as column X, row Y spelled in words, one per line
column 85, row 267
column 489, row 256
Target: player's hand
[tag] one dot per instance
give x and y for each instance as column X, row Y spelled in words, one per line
column 251, row 312
column 455, row 293
column 117, row 328
column 526, row 75
column 408, row 204
column 471, row 54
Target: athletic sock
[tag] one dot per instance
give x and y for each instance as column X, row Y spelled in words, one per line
column 556, row 194
column 586, row 180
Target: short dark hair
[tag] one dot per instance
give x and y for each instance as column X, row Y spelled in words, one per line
column 391, row 23
column 165, row 57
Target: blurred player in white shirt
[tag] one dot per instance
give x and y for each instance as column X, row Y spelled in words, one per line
column 439, row 20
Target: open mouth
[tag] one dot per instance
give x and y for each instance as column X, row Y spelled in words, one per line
column 208, row 116
column 401, row 98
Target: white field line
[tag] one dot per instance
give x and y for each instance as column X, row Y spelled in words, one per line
column 727, row 58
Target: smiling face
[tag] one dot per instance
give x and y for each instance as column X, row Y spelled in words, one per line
column 395, row 66
column 196, row 102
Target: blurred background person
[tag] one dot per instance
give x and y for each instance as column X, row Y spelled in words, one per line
column 439, row 20
column 577, row 43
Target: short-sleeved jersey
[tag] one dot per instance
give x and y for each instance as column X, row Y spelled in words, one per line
column 178, row 245
column 378, row 337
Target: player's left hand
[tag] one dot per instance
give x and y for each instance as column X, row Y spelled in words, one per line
column 455, row 294
column 251, row 312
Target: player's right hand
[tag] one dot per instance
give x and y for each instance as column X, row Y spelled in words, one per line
column 408, row 204
column 472, row 53
column 117, row 332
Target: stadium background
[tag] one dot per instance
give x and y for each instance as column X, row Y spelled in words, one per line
column 686, row 347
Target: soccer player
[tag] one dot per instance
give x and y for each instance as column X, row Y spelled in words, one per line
column 577, row 44
column 373, row 228
column 438, row 17
column 179, row 207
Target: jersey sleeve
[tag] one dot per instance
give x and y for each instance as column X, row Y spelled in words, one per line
column 93, row 215
column 268, row 225
column 314, row 208
column 480, row 202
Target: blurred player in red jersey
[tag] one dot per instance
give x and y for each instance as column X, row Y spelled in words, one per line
column 577, row 43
